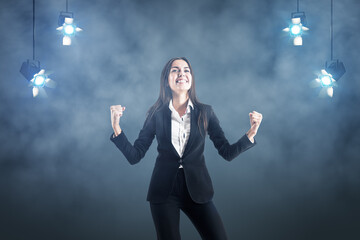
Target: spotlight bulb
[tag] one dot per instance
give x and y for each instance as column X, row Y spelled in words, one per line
column 39, row 80
column 295, row 29
column 326, row 79
column 69, row 29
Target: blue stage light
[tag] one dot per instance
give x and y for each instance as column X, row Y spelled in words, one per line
column 39, row 80
column 327, row 83
column 334, row 69
column 69, row 29
column 326, row 80
column 295, row 29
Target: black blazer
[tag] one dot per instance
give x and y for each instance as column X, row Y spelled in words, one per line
column 168, row 160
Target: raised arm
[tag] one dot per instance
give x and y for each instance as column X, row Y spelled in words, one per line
column 133, row 153
column 226, row 150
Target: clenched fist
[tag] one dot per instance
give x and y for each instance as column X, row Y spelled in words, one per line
column 255, row 121
column 116, row 112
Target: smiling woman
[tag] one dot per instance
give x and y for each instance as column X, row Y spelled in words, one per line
column 180, row 78
column 180, row 180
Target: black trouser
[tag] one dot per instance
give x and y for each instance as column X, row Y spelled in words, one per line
column 205, row 217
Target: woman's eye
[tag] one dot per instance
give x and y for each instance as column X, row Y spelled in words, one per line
column 187, row 71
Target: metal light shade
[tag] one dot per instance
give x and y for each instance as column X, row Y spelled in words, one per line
column 300, row 15
column 30, row 68
column 64, row 15
column 335, row 68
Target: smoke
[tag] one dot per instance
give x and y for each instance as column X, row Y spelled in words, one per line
column 60, row 175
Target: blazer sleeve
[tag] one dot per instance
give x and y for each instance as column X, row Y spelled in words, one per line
column 226, row 150
column 134, row 153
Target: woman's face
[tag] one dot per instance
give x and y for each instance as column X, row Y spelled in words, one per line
column 180, row 78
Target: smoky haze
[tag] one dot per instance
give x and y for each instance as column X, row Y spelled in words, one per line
column 62, row 178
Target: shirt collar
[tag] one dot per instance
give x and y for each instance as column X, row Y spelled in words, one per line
column 190, row 104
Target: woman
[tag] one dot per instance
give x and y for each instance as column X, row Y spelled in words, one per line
column 180, row 179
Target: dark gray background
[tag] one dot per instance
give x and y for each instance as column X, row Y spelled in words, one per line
column 62, row 178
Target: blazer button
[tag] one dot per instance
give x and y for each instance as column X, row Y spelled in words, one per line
column 180, row 161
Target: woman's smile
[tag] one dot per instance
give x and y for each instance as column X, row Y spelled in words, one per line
column 181, row 81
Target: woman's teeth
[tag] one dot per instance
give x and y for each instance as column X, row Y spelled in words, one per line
column 180, row 81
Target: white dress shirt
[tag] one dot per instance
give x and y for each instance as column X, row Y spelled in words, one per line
column 180, row 128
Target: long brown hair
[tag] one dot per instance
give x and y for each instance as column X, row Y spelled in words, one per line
column 166, row 95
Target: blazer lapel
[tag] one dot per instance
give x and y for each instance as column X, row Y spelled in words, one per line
column 193, row 130
column 167, row 128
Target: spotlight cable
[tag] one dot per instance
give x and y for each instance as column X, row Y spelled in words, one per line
column 334, row 69
column 32, row 71
column 331, row 31
column 297, row 5
column 33, row 29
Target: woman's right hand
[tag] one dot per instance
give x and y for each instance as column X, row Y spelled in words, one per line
column 116, row 113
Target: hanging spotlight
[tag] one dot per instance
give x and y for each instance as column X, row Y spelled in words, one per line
column 36, row 76
column 68, row 29
column 329, row 77
column 296, row 28
column 40, row 80
column 67, row 26
column 326, row 79
column 327, row 82
column 334, row 69
column 31, row 70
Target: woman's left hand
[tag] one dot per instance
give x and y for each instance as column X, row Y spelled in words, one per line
column 255, row 121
